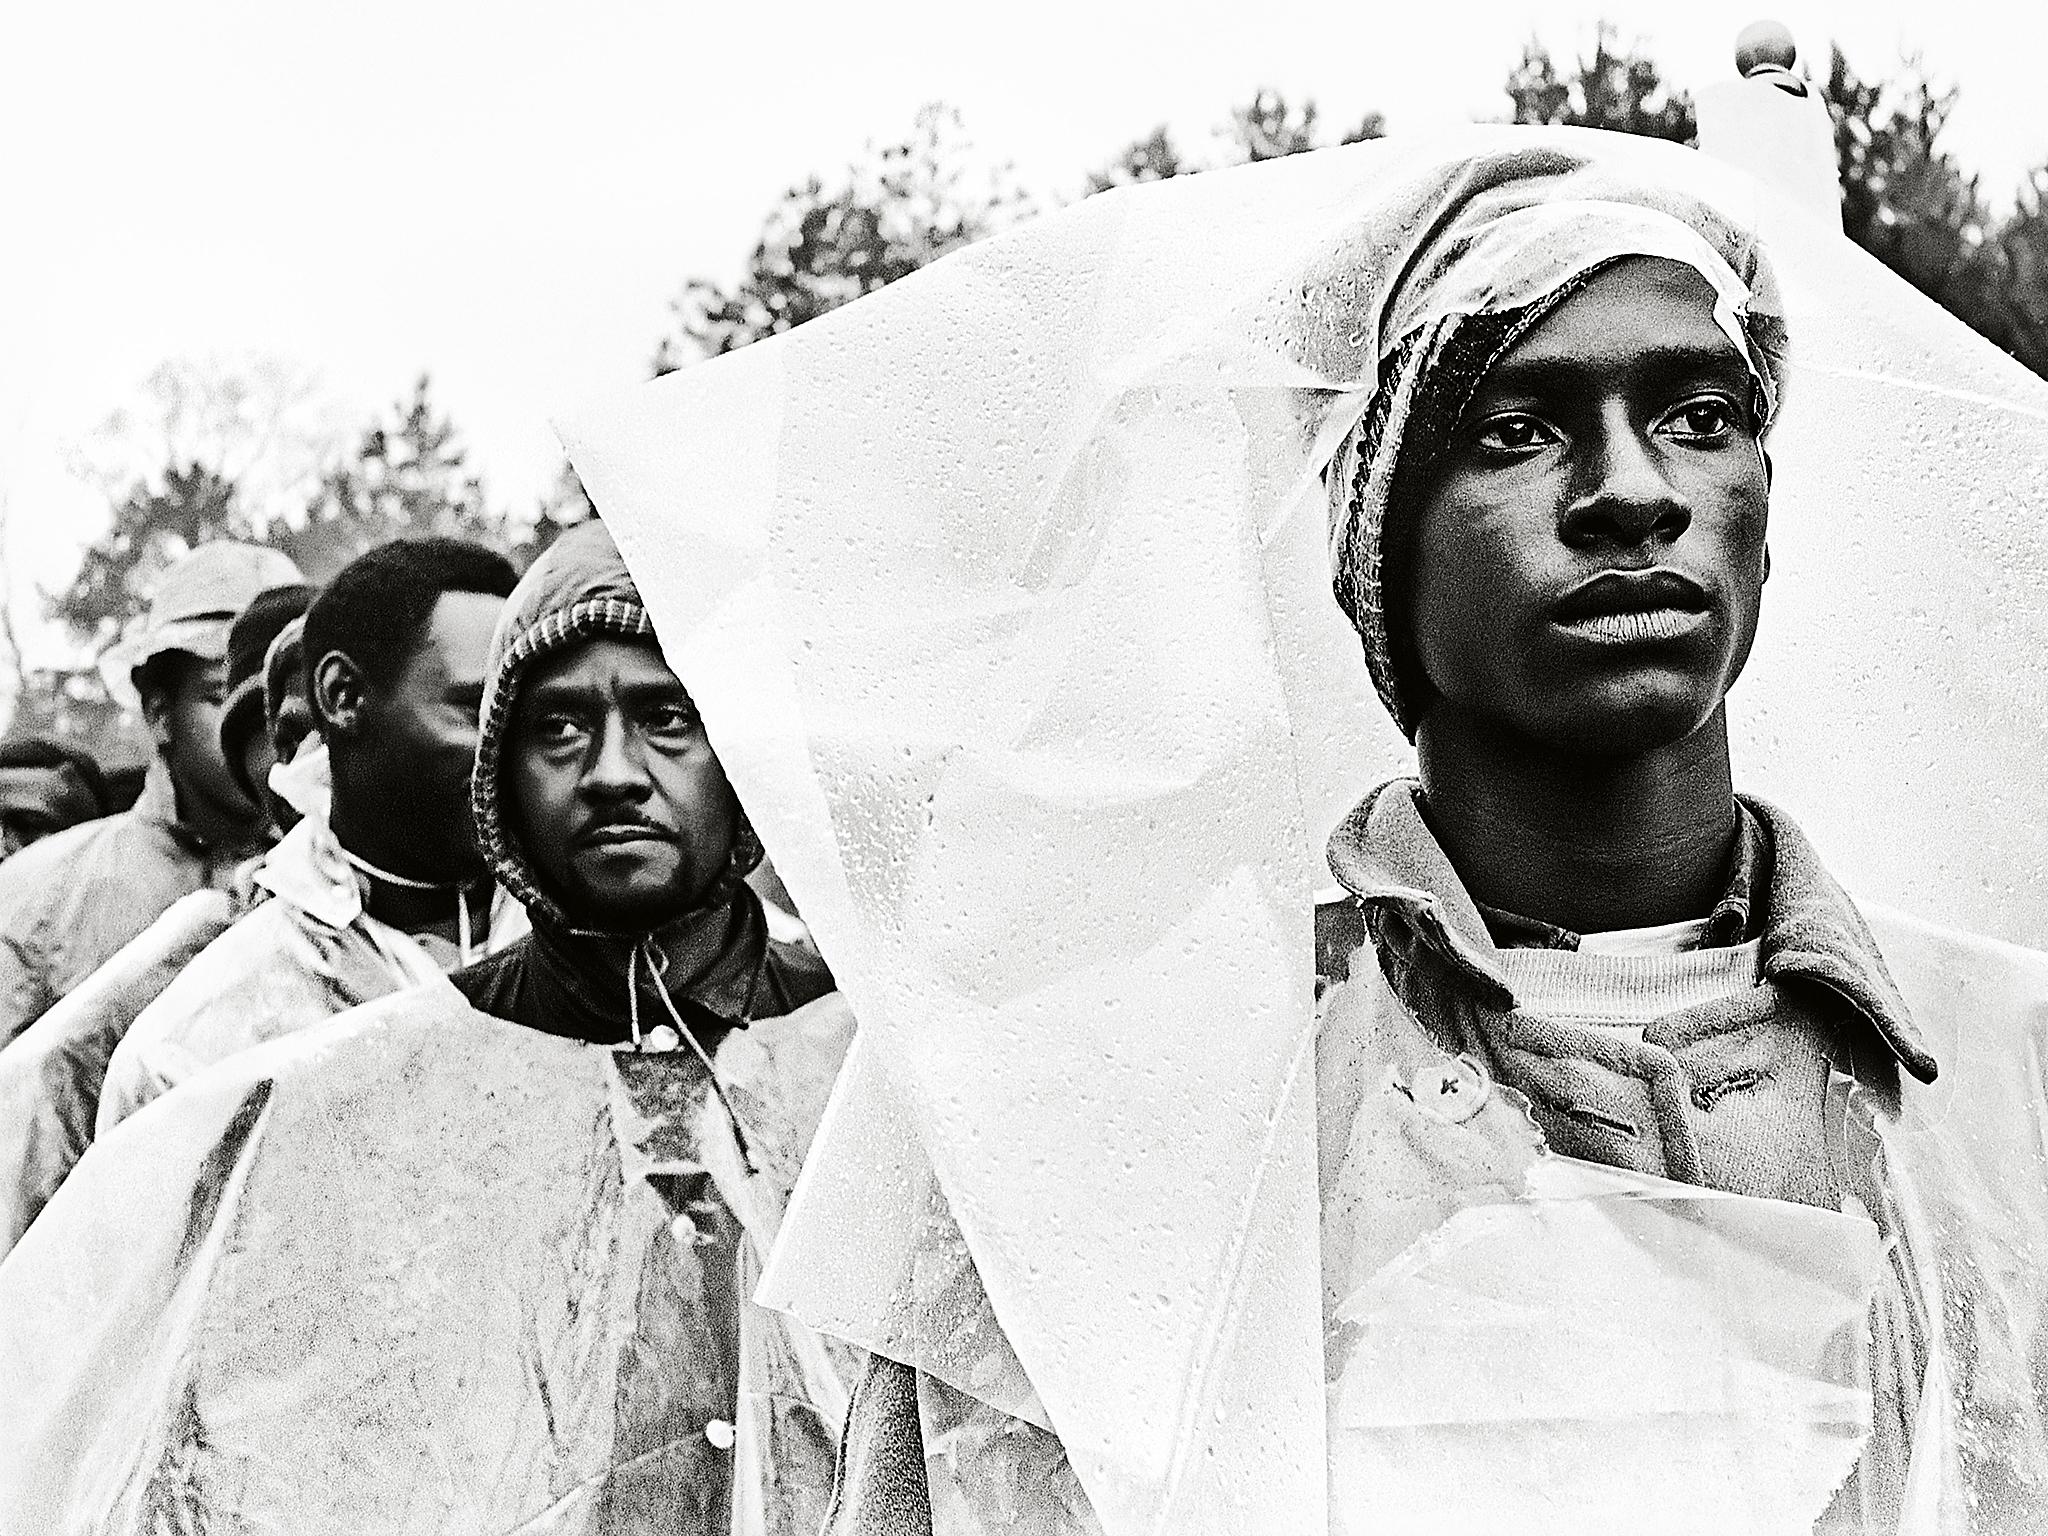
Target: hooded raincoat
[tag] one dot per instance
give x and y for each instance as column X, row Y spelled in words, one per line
column 421, row 1270
column 564, row 978
column 1023, row 568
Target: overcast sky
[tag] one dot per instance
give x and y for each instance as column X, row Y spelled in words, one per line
column 506, row 195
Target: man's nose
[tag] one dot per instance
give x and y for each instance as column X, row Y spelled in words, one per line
column 614, row 767
column 1624, row 497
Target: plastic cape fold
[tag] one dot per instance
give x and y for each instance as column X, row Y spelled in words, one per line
column 50, row 1074
column 1004, row 594
column 419, row 1270
column 301, row 957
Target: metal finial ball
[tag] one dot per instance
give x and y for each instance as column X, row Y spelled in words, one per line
column 1764, row 45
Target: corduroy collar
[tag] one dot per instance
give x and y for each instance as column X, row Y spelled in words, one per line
column 1386, row 856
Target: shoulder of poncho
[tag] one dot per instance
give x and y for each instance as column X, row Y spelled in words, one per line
column 416, row 1037
column 56, row 872
column 245, row 945
column 1891, row 924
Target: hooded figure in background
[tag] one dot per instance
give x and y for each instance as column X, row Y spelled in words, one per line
column 589, row 739
column 422, row 1270
column 386, row 888
column 70, row 902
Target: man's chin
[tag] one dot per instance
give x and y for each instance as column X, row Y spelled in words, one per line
column 1628, row 726
column 627, row 909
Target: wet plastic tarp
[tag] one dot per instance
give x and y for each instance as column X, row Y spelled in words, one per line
column 419, row 1270
column 1004, row 595
column 50, row 1074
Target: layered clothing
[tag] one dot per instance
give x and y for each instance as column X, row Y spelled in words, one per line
column 1061, row 612
column 1557, row 1194
column 308, row 953
column 69, row 902
column 52, row 1072
column 421, row 1269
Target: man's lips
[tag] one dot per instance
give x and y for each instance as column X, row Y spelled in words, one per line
column 613, row 834
column 1633, row 607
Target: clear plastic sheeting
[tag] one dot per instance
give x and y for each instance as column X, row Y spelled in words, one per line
column 1649, row 1355
column 1004, row 594
column 50, row 1074
column 422, row 1271
column 1528, row 1342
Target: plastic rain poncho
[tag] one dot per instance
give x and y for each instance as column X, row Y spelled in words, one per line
column 51, row 1073
column 71, row 901
column 418, row 1271
column 1014, row 633
column 310, row 952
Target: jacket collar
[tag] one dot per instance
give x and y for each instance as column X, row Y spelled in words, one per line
column 1386, row 856
column 307, row 869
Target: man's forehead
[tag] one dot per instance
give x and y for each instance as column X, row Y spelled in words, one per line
column 602, row 663
column 1643, row 310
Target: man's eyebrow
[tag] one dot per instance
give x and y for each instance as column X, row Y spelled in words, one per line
column 657, row 689
column 557, row 691
column 1666, row 360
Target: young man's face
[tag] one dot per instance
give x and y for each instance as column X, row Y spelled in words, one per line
column 1589, row 563
column 422, row 726
column 183, row 709
column 621, row 803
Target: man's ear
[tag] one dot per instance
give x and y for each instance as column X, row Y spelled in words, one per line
column 157, row 694
column 339, row 694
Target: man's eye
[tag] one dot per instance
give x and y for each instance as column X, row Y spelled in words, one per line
column 1707, row 418
column 557, row 730
column 672, row 719
column 1513, row 432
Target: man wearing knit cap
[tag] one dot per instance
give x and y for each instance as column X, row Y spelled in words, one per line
column 604, row 808
column 70, row 902
column 1607, row 1183
column 380, row 886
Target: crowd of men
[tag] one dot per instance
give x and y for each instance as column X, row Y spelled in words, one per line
column 321, row 1213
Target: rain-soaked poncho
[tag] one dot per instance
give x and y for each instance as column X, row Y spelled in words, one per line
column 51, row 1076
column 310, row 952
column 421, row 1270
column 424, row 1271
column 73, row 899
column 51, row 1073
column 1015, row 635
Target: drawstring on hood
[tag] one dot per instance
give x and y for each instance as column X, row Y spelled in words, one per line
column 580, row 590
